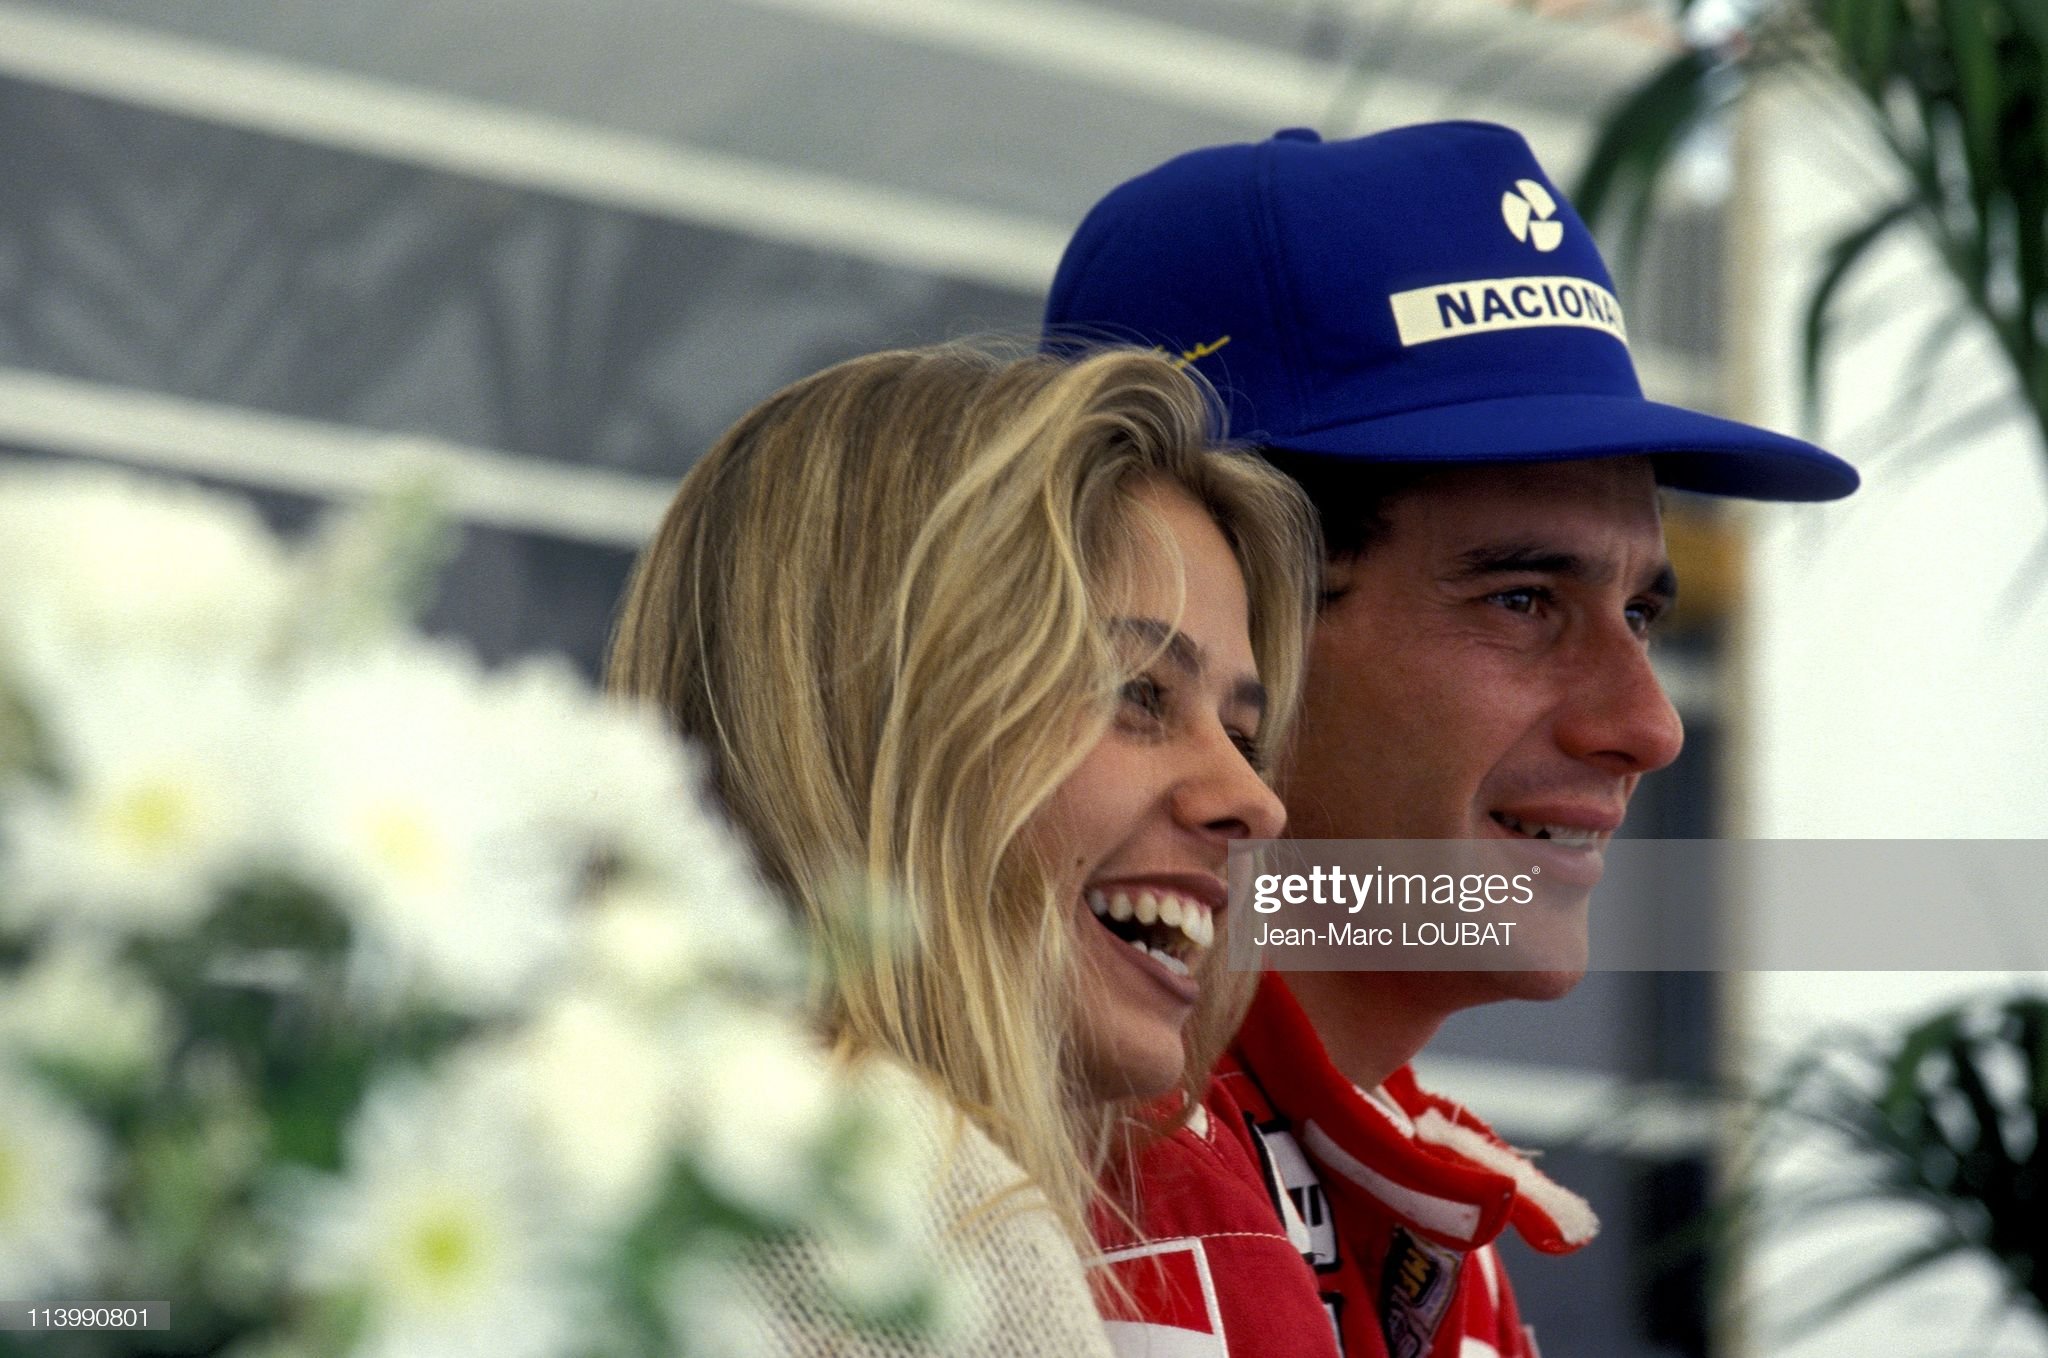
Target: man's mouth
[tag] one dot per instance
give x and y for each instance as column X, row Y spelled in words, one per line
column 1171, row 928
column 1572, row 836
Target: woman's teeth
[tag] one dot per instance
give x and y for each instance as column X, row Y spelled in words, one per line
column 1164, row 925
column 1563, row 834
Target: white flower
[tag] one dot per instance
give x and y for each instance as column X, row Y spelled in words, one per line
column 874, row 1255
column 416, row 804
column 52, row 1172
column 619, row 779
column 643, row 938
column 762, row 1098
column 645, row 943
column 75, row 1003
column 442, row 1229
column 722, row 1308
column 574, row 783
column 703, row 860
column 599, row 1086
column 158, row 795
column 99, row 562
column 897, row 1154
column 632, row 788
column 368, row 566
column 878, row 1257
column 611, row 770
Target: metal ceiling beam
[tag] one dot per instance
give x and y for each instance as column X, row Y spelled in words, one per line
column 46, row 413
column 518, row 147
column 1266, row 86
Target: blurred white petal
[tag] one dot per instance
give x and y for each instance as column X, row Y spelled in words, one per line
column 598, row 1083
column 76, row 1004
column 766, row 1064
column 101, row 562
column 412, row 804
column 52, row 1175
column 439, row 1223
column 160, row 795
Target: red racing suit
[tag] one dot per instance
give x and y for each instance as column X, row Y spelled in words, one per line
column 1296, row 1216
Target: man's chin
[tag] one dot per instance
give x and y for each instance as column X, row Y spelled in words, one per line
column 1539, row 985
column 1472, row 989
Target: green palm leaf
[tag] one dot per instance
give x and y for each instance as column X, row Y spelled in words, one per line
column 1953, row 94
column 1636, row 142
column 1842, row 258
column 1950, row 1118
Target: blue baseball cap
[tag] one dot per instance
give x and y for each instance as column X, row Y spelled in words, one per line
column 1420, row 295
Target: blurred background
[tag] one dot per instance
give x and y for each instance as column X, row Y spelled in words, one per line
column 551, row 251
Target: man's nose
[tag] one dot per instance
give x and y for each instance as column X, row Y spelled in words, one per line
column 1616, row 714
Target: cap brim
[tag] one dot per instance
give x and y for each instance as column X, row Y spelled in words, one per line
column 1691, row 451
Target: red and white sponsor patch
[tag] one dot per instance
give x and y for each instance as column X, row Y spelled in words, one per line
column 1167, row 1283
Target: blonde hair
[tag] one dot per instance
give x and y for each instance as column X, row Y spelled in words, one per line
column 879, row 602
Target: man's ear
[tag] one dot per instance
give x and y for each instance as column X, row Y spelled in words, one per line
column 1340, row 573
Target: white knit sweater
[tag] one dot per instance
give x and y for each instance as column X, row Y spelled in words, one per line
column 1019, row 1288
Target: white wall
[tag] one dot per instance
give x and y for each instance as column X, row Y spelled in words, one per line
column 1894, row 662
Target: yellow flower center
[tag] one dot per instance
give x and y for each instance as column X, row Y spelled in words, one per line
column 444, row 1249
column 151, row 817
column 406, row 845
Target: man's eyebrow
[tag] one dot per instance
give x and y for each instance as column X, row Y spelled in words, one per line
column 1523, row 558
column 1185, row 656
column 1663, row 585
column 1518, row 558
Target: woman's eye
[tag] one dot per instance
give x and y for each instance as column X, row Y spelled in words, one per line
column 1248, row 746
column 1145, row 694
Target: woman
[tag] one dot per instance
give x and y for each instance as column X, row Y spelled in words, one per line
column 992, row 635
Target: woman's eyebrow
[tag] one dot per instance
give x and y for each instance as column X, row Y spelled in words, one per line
column 1187, row 657
column 1161, row 636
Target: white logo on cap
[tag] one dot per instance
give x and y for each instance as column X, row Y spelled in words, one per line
column 1480, row 305
column 1528, row 209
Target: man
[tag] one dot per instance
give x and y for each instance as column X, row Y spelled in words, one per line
column 1417, row 326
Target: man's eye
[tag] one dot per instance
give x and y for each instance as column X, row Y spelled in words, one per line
column 1145, row 694
column 1526, row 599
column 1642, row 616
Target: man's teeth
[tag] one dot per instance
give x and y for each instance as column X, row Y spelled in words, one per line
column 1563, row 834
column 1189, row 922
